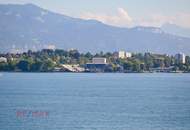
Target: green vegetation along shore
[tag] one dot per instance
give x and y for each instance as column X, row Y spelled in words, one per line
column 48, row 60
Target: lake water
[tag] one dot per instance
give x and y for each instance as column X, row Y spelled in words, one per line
column 66, row 101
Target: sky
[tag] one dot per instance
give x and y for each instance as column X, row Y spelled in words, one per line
column 124, row 13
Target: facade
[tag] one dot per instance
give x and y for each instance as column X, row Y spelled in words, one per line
column 95, row 67
column 3, row 59
column 99, row 60
column 123, row 54
column 162, row 69
column 128, row 55
column 180, row 58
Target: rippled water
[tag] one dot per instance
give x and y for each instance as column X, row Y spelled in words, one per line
column 63, row 101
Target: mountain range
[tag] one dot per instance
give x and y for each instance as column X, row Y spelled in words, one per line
column 176, row 30
column 28, row 26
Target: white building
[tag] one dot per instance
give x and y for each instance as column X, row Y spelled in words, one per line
column 128, row 54
column 3, row 59
column 180, row 58
column 99, row 61
column 50, row 47
column 123, row 54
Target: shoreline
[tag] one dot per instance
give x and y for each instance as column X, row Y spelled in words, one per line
column 101, row 72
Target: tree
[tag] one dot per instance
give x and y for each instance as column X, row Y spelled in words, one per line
column 37, row 66
column 74, row 54
column 88, row 55
column 148, row 61
column 61, row 52
column 187, row 60
column 48, row 65
column 24, row 65
column 168, row 61
column 12, row 65
column 136, row 67
column 4, row 67
column 128, row 65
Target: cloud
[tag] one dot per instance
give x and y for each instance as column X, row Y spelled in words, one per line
column 123, row 15
column 121, row 19
column 157, row 20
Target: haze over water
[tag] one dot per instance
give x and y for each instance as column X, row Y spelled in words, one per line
column 69, row 101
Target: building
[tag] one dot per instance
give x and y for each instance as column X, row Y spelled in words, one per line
column 99, row 60
column 97, row 65
column 128, row 55
column 51, row 47
column 123, row 54
column 3, row 60
column 162, row 69
column 72, row 68
column 180, row 58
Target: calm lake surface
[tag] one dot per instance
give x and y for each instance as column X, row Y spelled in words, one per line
column 66, row 101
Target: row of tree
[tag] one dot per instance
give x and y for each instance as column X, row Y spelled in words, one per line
column 46, row 60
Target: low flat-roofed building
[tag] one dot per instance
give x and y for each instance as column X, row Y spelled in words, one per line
column 98, row 64
column 3, row 59
column 162, row 69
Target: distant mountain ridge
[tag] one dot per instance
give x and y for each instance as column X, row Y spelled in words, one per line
column 176, row 30
column 28, row 26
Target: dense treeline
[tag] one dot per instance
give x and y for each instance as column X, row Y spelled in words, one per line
column 47, row 60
